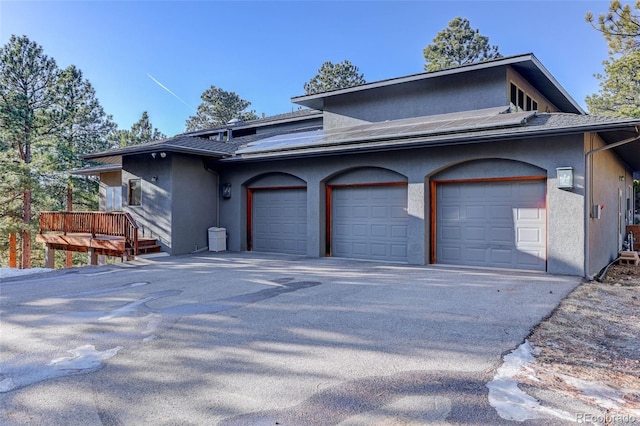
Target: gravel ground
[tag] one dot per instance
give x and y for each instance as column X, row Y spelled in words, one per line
column 589, row 348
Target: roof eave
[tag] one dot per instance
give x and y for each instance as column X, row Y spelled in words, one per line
column 148, row 150
column 430, row 141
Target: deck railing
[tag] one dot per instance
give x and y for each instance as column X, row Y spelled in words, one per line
column 95, row 223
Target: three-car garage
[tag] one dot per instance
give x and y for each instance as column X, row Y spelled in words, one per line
column 494, row 222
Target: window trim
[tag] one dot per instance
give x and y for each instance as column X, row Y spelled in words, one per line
column 135, row 192
column 520, row 99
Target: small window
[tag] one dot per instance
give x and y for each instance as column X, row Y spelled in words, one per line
column 113, row 200
column 520, row 99
column 135, row 192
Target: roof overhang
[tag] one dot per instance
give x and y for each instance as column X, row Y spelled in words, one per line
column 527, row 65
column 371, row 140
column 97, row 170
column 116, row 154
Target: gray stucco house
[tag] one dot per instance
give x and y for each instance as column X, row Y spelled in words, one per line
column 484, row 165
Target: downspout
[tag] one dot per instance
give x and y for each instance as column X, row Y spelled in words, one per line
column 218, row 194
column 587, row 196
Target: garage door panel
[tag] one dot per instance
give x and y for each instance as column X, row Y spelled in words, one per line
column 399, row 231
column 501, row 212
column 473, row 233
column 451, row 213
column 379, row 231
column 501, row 256
column 528, row 235
column 475, row 255
column 532, row 257
column 369, row 222
column 279, row 220
column 499, row 224
column 379, row 212
column 501, row 235
column 528, row 214
column 360, row 230
column 450, row 233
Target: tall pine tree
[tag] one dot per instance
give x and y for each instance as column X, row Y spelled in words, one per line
column 620, row 84
column 458, row 44
column 28, row 117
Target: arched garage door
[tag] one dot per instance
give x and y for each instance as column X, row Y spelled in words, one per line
column 491, row 223
column 368, row 222
column 278, row 220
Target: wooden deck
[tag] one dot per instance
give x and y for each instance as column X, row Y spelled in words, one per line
column 102, row 244
column 95, row 233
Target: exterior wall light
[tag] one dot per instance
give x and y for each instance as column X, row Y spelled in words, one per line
column 163, row 154
column 154, row 178
column 226, row 190
column 565, row 177
column 153, row 155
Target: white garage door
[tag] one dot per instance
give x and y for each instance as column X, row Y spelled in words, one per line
column 497, row 224
column 369, row 222
column 279, row 220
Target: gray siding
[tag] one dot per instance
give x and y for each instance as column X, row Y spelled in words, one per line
column 153, row 216
column 195, row 204
column 540, row 155
column 610, row 177
column 483, row 89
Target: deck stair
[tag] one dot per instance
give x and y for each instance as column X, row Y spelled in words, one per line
column 629, row 258
column 148, row 245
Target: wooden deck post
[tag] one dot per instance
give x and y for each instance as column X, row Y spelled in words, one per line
column 69, row 255
column 50, row 257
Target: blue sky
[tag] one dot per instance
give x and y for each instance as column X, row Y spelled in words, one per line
column 266, row 50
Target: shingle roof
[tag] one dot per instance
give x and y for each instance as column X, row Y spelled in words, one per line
column 187, row 145
column 432, row 132
column 445, row 129
column 297, row 115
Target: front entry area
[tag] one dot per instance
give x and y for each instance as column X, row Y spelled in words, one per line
column 494, row 223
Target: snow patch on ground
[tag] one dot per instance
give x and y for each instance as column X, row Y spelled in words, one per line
column 601, row 394
column 13, row 272
column 84, row 358
column 508, row 399
column 19, row 373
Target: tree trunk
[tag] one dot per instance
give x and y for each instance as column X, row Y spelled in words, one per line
column 12, row 250
column 26, row 234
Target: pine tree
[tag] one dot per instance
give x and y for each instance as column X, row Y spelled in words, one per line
column 218, row 107
column 458, row 44
column 620, row 84
column 334, row 76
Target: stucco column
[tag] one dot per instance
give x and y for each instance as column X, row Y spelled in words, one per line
column 315, row 221
column 416, row 227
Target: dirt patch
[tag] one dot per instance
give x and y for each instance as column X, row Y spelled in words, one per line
column 594, row 336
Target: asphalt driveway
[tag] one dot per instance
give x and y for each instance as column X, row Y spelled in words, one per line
column 229, row 338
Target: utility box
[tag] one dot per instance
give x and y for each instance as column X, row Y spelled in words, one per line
column 217, row 239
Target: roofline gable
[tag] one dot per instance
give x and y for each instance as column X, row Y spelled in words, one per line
column 527, row 62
